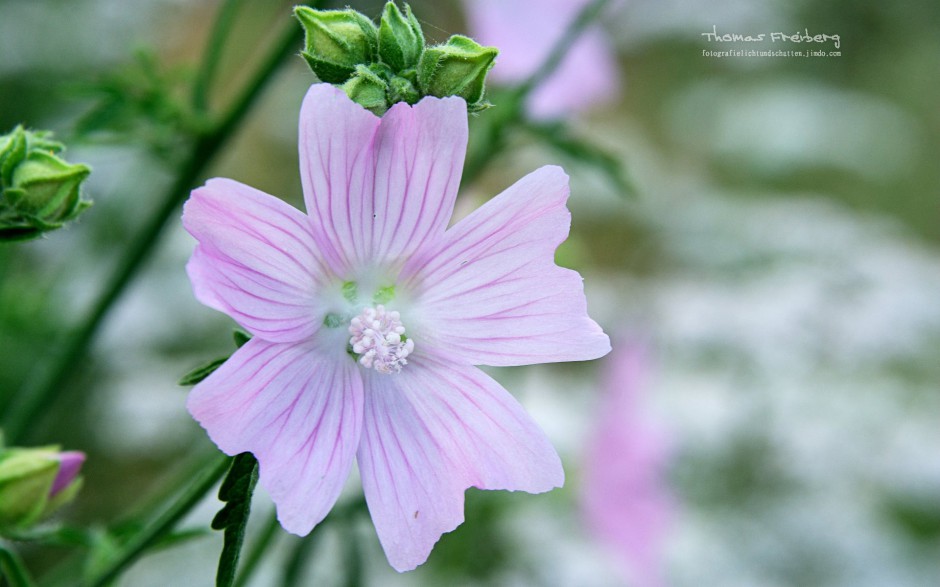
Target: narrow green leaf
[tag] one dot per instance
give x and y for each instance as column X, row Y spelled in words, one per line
column 201, row 372
column 241, row 337
column 236, row 491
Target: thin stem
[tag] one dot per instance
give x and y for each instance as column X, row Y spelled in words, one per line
column 164, row 523
column 34, row 398
column 511, row 111
column 353, row 557
column 213, row 54
column 13, row 568
column 258, row 550
column 298, row 558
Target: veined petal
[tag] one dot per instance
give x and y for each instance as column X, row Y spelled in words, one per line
column 490, row 293
column 376, row 188
column 419, row 154
column 255, row 260
column 337, row 172
column 432, row 431
column 298, row 411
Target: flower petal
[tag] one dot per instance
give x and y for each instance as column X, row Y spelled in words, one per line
column 376, row 188
column 298, row 410
column 255, row 260
column 489, row 292
column 430, row 432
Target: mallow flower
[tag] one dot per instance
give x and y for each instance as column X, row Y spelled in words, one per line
column 369, row 317
column 626, row 502
column 525, row 32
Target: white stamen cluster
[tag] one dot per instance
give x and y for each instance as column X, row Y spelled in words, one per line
column 377, row 339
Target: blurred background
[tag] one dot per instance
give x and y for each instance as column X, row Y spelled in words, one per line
column 770, row 415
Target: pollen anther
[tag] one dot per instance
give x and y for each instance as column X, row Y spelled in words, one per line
column 377, row 337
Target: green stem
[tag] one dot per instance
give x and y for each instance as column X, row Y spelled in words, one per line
column 34, row 398
column 512, row 109
column 213, row 54
column 163, row 524
column 258, row 550
column 353, row 557
column 13, row 568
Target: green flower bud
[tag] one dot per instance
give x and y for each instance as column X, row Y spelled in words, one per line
column 34, row 482
column 38, row 190
column 401, row 89
column 457, row 68
column 368, row 89
column 336, row 42
column 401, row 40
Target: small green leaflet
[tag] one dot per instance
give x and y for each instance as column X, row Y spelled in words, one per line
column 236, row 492
column 203, row 371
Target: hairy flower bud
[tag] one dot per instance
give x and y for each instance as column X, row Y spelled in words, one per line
column 38, row 190
column 401, row 89
column 34, row 482
column 336, row 42
column 457, row 68
column 401, row 40
column 367, row 89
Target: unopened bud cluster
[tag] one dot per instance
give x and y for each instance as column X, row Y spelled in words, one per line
column 378, row 66
column 39, row 191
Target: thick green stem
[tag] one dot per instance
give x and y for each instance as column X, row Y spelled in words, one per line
column 30, row 403
column 163, row 524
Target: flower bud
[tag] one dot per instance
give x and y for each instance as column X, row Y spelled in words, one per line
column 401, row 40
column 38, row 190
column 401, row 89
column 368, row 89
column 457, row 68
column 34, row 482
column 336, row 42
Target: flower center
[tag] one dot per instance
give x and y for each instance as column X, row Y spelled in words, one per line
column 378, row 339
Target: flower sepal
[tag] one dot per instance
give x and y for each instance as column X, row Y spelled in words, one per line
column 401, row 40
column 368, row 89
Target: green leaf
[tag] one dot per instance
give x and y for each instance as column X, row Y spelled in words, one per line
column 236, row 492
column 241, row 337
column 201, row 372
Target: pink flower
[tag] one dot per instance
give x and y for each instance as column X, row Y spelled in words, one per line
column 368, row 318
column 525, row 32
column 625, row 499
